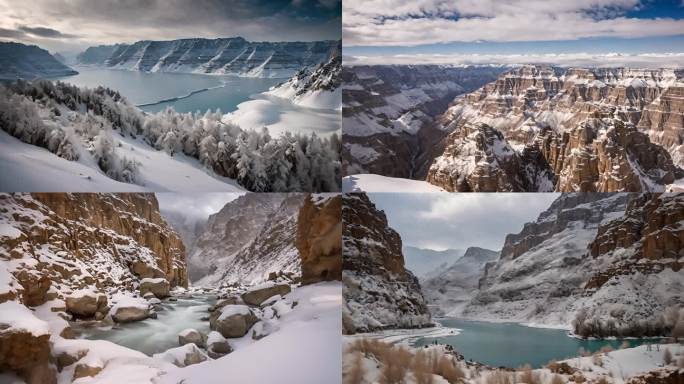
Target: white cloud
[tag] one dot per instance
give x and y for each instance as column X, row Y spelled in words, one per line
column 194, row 206
column 643, row 60
column 460, row 220
column 409, row 23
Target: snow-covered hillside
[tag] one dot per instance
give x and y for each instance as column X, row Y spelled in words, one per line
column 602, row 264
column 378, row 183
column 95, row 138
column 230, row 56
column 450, row 288
column 250, row 238
column 317, row 87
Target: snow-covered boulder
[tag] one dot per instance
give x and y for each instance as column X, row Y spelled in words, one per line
column 233, row 320
column 217, row 345
column 24, row 340
column 129, row 309
column 160, row 287
column 183, row 356
column 85, row 303
column 257, row 295
column 190, row 335
column 263, row 329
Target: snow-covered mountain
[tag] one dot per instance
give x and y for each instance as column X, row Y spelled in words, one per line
column 540, row 128
column 19, row 61
column 422, row 262
column 247, row 239
column 230, row 56
column 389, row 114
column 450, row 288
column 379, row 292
column 317, row 87
column 607, row 264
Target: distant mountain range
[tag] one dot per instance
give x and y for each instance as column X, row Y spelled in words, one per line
column 19, row 61
column 424, row 262
column 232, row 56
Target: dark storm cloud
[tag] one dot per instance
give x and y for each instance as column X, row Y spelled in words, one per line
column 10, row 33
column 43, row 32
column 53, row 23
column 457, row 220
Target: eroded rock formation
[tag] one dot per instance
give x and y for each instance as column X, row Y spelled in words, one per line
column 319, row 238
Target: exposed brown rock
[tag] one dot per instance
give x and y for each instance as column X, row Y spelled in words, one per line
column 319, row 239
column 257, row 296
column 159, row 287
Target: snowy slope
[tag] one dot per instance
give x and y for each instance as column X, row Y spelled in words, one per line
column 378, row 183
column 314, row 88
column 23, row 167
column 306, row 349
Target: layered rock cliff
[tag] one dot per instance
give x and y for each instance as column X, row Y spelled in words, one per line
column 19, row 61
column 606, row 264
column 55, row 243
column 389, row 114
column 379, row 292
column 230, row 56
column 319, row 238
column 589, row 130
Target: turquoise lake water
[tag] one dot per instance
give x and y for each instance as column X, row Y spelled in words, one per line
column 513, row 345
column 185, row 92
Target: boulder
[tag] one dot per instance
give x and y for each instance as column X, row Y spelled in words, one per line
column 130, row 309
column 259, row 294
column 160, row 287
column 24, row 341
column 233, row 320
column 183, row 356
column 85, row 303
column 217, row 345
column 145, row 271
column 228, row 301
column 262, row 329
column 88, row 367
column 191, row 336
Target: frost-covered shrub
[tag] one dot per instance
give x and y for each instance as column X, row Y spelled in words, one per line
column 117, row 168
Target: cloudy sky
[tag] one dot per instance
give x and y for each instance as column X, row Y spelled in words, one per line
column 513, row 31
column 194, row 206
column 459, row 220
column 71, row 25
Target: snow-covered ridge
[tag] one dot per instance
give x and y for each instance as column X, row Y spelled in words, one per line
column 229, row 56
column 314, row 88
column 19, row 61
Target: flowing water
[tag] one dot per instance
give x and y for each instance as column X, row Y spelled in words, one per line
column 184, row 92
column 157, row 335
column 513, row 345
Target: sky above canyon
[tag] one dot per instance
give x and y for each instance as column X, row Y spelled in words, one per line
column 578, row 32
column 460, row 220
column 194, row 206
column 73, row 25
